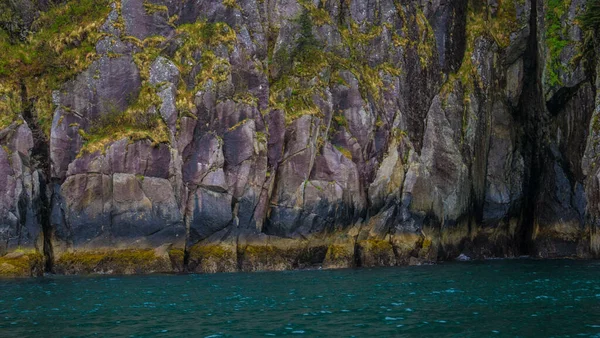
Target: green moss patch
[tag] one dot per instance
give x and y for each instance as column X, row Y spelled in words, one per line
column 556, row 39
column 135, row 124
column 202, row 38
column 61, row 45
column 302, row 72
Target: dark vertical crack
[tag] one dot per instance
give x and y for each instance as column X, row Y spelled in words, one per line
column 187, row 214
column 45, row 210
column 531, row 116
column 40, row 155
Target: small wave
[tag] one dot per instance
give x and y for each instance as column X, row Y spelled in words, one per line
column 452, row 291
column 394, row 318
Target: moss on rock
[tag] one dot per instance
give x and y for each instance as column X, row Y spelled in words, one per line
column 269, row 258
column 61, row 44
column 22, row 264
column 212, row 258
column 339, row 256
column 376, row 252
column 127, row 261
column 177, row 257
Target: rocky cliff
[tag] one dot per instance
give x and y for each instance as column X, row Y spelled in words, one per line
column 226, row 135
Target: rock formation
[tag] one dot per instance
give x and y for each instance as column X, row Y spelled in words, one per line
column 223, row 135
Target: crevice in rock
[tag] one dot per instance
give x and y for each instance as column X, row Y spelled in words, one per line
column 187, row 210
column 40, row 155
column 561, row 98
column 531, row 116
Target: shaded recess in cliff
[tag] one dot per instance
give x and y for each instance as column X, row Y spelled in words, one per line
column 40, row 161
column 530, row 115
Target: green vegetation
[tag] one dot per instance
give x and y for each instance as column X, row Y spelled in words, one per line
column 198, row 42
column 10, row 105
column 201, row 38
column 290, row 90
column 301, row 73
column 318, row 14
column 556, row 30
column 504, row 22
column 61, row 44
column 152, row 8
column 482, row 23
column 231, row 4
column 340, row 120
column 344, row 152
column 135, row 123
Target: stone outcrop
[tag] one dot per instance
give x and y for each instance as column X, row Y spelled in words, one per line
column 222, row 136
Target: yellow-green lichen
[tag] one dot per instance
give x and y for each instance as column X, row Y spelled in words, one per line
column 376, row 252
column 153, row 8
column 269, row 257
column 21, row 264
column 211, row 258
column 347, row 153
column 127, row 261
column 317, row 13
column 202, row 38
column 232, row 4
column 61, row 45
column 10, row 105
column 339, row 256
column 136, row 123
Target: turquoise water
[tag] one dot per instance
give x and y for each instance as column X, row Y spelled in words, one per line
column 523, row 298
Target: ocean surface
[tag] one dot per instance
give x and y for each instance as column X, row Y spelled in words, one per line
column 501, row 298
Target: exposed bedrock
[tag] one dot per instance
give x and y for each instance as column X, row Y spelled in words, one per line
column 250, row 135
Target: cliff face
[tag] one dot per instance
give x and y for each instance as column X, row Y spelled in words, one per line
column 163, row 135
